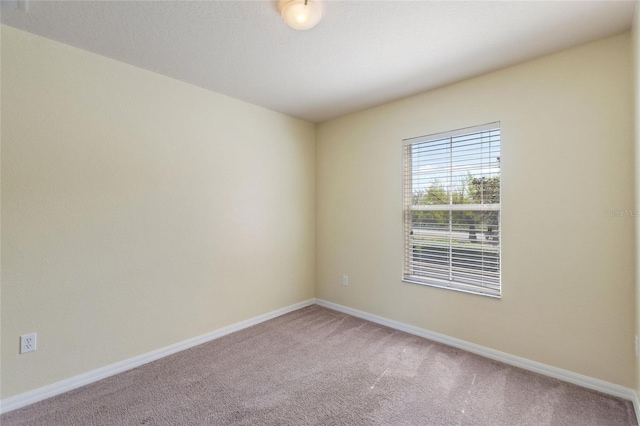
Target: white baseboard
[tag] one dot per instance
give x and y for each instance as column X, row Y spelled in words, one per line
column 516, row 361
column 21, row 400
column 66, row 385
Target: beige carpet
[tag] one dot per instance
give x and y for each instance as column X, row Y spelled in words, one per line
column 320, row 367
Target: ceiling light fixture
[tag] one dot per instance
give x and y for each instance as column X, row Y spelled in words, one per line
column 302, row 14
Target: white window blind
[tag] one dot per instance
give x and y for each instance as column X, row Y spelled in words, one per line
column 452, row 210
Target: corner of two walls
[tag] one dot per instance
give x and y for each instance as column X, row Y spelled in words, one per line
column 636, row 79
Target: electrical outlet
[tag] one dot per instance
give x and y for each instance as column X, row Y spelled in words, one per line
column 637, row 348
column 345, row 280
column 27, row 343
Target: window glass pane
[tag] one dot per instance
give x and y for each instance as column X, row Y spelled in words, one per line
column 452, row 197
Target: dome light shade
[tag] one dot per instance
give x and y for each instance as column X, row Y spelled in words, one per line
column 302, row 14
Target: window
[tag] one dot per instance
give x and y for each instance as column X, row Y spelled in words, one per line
column 452, row 210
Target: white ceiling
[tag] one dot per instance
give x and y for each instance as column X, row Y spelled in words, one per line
column 362, row 53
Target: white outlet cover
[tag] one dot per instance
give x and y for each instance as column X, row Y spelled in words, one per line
column 27, row 343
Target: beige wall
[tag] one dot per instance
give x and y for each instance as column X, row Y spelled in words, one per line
column 636, row 78
column 139, row 211
column 567, row 156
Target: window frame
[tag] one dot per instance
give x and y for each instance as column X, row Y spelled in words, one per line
column 409, row 263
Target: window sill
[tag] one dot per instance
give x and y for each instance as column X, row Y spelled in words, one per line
column 447, row 286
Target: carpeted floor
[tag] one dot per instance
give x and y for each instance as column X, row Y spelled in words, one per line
column 315, row 366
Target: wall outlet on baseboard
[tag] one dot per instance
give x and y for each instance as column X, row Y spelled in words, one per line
column 345, row 280
column 27, row 343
